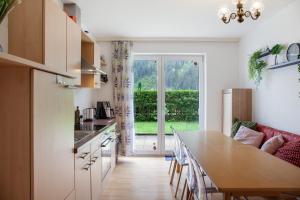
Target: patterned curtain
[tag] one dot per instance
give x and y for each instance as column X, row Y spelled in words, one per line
column 123, row 93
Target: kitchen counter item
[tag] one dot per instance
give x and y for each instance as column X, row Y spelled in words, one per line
column 89, row 114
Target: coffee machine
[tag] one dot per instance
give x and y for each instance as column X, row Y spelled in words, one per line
column 104, row 110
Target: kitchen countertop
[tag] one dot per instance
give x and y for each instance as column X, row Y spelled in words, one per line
column 93, row 133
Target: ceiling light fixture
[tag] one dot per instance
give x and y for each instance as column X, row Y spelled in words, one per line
column 255, row 11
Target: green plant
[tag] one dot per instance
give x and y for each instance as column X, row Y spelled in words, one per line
column 256, row 67
column 277, row 50
column 6, row 6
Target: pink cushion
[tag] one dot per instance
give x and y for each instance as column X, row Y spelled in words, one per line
column 290, row 152
column 249, row 136
column 272, row 144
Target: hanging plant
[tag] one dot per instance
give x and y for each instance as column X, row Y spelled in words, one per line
column 256, row 67
column 276, row 50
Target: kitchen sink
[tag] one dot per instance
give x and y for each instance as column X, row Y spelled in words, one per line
column 79, row 135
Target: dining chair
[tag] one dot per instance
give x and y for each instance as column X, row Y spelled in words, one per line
column 190, row 181
column 179, row 159
column 195, row 181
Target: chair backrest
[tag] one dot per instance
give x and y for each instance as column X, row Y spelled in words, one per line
column 200, row 190
column 191, row 176
column 178, row 149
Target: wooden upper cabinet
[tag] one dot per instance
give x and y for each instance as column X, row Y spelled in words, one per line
column 74, row 50
column 55, row 44
column 37, row 31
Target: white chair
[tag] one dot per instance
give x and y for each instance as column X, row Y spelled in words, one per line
column 180, row 159
column 197, row 187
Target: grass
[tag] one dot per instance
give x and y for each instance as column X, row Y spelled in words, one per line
column 151, row 128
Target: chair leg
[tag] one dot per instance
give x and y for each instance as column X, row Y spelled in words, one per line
column 173, row 172
column 184, row 186
column 171, row 164
column 181, row 167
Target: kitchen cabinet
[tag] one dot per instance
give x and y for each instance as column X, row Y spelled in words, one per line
column 37, row 137
column 53, row 137
column 96, row 182
column 40, row 31
column 237, row 103
column 74, row 50
column 83, row 173
column 90, row 52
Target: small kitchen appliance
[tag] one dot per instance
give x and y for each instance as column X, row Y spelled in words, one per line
column 103, row 110
column 89, row 114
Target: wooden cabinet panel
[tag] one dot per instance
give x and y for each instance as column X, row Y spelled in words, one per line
column 96, row 182
column 237, row 103
column 53, row 138
column 55, row 36
column 74, row 50
column 83, row 173
column 15, row 142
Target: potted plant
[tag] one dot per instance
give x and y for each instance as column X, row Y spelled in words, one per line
column 5, row 7
column 276, row 50
column 256, row 67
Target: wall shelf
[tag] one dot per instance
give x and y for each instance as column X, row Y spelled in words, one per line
column 285, row 64
column 265, row 53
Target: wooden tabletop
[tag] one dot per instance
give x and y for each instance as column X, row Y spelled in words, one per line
column 234, row 167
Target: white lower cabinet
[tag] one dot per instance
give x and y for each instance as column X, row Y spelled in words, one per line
column 96, row 175
column 83, row 174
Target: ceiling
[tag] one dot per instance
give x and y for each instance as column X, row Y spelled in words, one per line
column 115, row 19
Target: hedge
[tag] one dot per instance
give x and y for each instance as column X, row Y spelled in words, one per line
column 181, row 105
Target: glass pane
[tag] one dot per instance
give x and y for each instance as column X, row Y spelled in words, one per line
column 181, row 97
column 145, row 105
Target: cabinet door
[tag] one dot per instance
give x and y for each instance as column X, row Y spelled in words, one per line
column 96, row 175
column 53, row 138
column 74, row 50
column 55, row 42
column 83, row 174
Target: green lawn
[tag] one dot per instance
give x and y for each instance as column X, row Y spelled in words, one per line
column 151, row 128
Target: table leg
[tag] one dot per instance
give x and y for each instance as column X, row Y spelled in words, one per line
column 226, row 196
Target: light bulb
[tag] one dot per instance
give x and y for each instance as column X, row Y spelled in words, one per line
column 223, row 12
column 257, row 6
column 235, row 2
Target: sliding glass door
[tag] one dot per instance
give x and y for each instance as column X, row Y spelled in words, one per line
column 168, row 92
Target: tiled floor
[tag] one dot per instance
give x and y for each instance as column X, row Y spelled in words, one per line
column 149, row 142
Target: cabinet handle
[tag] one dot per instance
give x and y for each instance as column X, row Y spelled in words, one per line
column 94, row 159
column 84, row 155
column 87, row 167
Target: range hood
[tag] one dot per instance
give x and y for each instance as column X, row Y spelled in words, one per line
column 86, row 68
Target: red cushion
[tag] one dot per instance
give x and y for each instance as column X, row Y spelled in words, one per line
column 270, row 132
column 290, row 152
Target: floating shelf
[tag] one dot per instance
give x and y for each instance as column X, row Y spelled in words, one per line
column 265, row 53
column 285, row 64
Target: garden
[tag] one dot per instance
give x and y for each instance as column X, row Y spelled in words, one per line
column 181, row 111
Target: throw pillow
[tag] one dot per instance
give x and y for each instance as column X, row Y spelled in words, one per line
column 237, row 124
column 290, row 152
column 272, row 144
column 249, row 136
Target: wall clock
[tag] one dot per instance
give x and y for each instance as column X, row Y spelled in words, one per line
column 293, row 52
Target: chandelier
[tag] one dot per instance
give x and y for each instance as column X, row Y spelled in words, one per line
column 255, row 11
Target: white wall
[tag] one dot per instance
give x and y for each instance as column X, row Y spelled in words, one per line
column 221, row 72
column 276, row 102
column 84, row 98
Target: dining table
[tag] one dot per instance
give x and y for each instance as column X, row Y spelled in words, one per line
column 237, row 169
